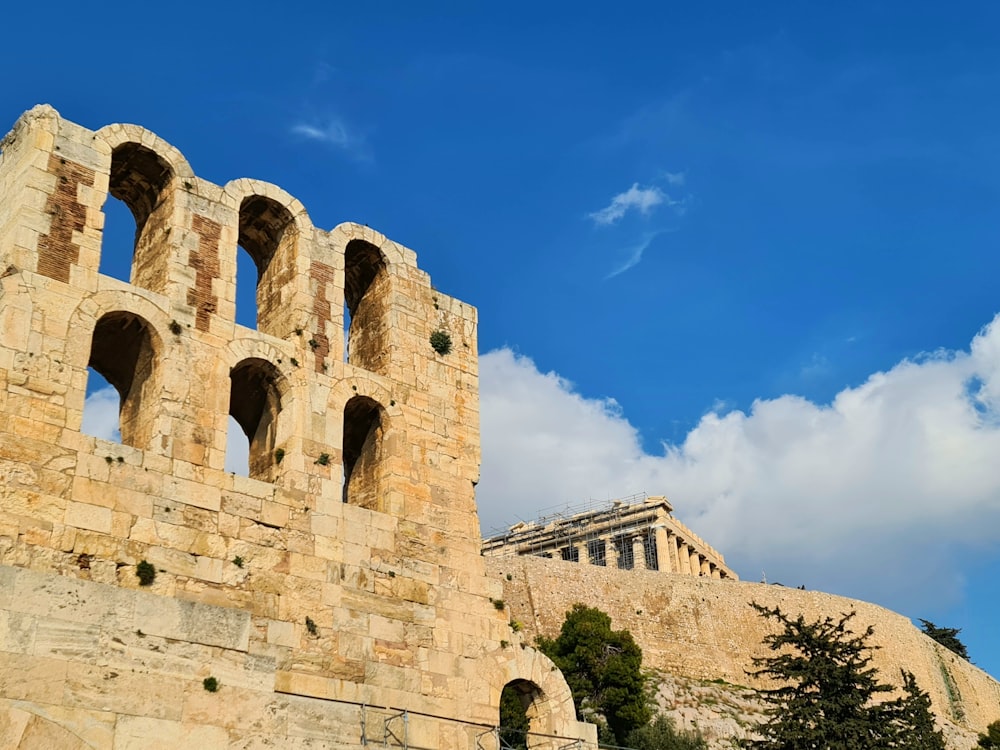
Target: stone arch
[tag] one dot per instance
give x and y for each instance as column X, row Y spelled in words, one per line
column 113, row 319
column 123, row 350
column 143, row 174
column 255, row 402
column 366, row 296
column 546, row 695
column 274, row 377
column 370, row 439
column 272, row 227
column 364, row 452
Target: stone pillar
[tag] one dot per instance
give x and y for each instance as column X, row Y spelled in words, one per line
column 715, row 572
column 638, row 553
column 675, row 560
column 622, row 548
column 706, row 567
column 694, row 561
column 663, row 557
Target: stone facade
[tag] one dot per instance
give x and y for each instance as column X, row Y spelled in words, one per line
column 627, row 535
column 337, row 594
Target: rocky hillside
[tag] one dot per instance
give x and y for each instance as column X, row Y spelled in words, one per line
column 700, row 636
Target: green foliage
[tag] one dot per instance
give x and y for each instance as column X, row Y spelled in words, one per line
column 513, row 719
column 661, row 734
column 911, row 719
column 311, row 626
column 947, row 637
column 238, row 561
column 441, row 342
column 991, row 740
column 323, row 460
column 210, row 684
column 146, row 573
column 603, row 668
column 827, row 696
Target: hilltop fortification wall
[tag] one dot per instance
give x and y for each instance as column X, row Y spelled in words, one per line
column 705, row 629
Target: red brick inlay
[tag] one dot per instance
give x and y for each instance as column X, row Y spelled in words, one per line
column 322, row 274
column 205, row 262
column 56, row 249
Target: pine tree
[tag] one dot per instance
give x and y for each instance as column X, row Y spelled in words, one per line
column 947, row 637
column 911, row 719
column 826, row 699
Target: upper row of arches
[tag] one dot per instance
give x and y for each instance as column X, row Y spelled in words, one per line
column 147, row 174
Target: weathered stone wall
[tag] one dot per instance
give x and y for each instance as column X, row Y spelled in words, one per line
column 705, row 629
column 307, row 601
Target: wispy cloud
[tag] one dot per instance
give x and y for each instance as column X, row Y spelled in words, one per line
column 641, row 199
column 635, row 253
column 335, row 133
column 677, row 179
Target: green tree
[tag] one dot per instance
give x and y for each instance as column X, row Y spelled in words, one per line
column 947, row 637
column 991, row 739
column 825, row 699
column 603, row 668
column 911, row 719
column 661, row 734
column 513, row 719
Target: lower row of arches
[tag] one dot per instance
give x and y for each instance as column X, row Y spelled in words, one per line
column 125, row 358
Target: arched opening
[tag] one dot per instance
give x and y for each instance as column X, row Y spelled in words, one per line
column 520, row 703
column 266, row 230
column 137, row 181
column 366, row 288
column 364, row 433
column 121, row 353
column 255, row 403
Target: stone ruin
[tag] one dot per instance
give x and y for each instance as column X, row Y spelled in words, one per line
column 634, row 533
column 335, row 597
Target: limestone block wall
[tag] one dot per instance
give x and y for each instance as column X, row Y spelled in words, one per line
column 705, row 629
column 343, row 573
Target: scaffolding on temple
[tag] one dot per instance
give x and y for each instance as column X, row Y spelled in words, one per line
column 633, row 532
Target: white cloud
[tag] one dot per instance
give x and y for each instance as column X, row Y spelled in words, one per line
column 635, row 254
column 642, row 199
column 333, row 132
column 100, row 414
column 675, row 178
column 882, row 494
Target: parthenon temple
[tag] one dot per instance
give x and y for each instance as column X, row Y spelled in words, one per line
column 637, row 532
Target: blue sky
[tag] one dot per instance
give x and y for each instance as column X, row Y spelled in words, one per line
column 740, row 254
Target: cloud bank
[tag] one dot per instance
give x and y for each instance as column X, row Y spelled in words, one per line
column 885, row 493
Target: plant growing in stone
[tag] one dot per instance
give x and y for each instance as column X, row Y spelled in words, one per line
column 311, row 626
column 210, row 684
column 441, row 342
column 146, row 573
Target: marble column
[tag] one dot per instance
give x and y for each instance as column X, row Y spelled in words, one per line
column 638, row 553
column 694, row 561
column 662, row 540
